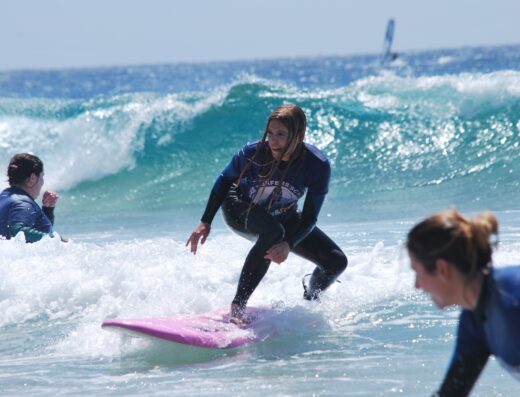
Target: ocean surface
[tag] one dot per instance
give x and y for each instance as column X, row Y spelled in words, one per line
column 134, row 151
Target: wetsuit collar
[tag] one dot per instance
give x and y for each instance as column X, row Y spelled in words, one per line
column 19, row 190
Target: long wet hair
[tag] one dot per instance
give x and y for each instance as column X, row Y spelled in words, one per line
column 22, row 166
column 466, row 243
column 293, row 118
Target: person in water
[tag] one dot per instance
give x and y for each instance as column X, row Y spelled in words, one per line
column 19, row 211
column 258, row 192
column 452, row 259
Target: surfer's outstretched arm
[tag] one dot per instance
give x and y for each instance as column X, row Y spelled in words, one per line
column 218, row 194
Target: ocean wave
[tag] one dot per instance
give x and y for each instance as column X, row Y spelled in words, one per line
column 93, row 139
column 382, row 133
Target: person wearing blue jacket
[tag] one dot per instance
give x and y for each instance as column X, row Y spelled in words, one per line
column 19, row 211
column 452, row 259
column 258, row 192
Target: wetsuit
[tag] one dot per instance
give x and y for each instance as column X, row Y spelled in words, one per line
column 492, row 328
column 250, row 209
column 20, row 213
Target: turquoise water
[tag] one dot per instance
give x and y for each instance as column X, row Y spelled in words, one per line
column 134, row 153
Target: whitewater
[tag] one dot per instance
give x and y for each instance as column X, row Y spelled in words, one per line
column 134, row 152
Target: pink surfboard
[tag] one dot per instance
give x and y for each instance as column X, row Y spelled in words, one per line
column 210, row 330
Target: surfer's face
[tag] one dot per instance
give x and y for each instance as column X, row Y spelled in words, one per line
column 277, row 138
column 434, row 284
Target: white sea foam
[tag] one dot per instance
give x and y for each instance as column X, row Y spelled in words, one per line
column 446, row 93
column 82, row 283
column 98, row 142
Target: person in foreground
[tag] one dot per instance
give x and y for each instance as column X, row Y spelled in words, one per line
column 452, row 259
column 259, row 190
column 19, row 211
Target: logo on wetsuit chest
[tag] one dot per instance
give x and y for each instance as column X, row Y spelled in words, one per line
column 286, row 197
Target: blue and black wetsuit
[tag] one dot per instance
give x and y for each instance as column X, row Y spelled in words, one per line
column 246, row 210
column 20, row 213
column 493, row 328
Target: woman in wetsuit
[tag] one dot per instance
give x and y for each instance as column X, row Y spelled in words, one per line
column 19, row 211
column 258, row 192
column 451, row 256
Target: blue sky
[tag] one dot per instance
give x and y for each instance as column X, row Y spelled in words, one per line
column 42, row 34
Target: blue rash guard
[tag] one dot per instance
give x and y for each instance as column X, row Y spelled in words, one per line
column 308, row 173
column 493, row 328
column 19, row 212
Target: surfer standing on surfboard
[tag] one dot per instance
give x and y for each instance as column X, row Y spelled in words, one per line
column 258, row 192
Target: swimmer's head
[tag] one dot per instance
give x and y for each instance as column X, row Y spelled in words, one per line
column 465, row 243
column 22, row 166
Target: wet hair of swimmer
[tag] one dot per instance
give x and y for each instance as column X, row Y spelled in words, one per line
column 464, row 243
column 21, row 166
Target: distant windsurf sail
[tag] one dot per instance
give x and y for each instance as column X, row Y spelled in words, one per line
column 388, row 55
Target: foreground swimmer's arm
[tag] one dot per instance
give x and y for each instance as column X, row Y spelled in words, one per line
column 470, row 357
column 462, row 375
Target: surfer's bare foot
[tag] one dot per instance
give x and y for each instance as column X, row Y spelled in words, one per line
column 237, row 315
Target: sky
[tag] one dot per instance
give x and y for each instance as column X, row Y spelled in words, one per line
column 52, row 34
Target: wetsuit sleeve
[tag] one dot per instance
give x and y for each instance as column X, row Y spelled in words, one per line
column 308, row 219
column 462, row 375
column 470, row 357
column 31, row 235
column 216, row 197
column 49, row 212
column 22, row 218
column 222, row 184
column 318, row 189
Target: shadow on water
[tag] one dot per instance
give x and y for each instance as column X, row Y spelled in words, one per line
column 170, row 354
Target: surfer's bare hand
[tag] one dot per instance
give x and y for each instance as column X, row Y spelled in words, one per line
column 50, row 199
column 278, row 253
column 200, row 233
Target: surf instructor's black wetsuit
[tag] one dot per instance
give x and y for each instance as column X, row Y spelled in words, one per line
column 282, row 222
